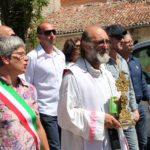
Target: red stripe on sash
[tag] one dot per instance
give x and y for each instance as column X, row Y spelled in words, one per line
column 20, row 116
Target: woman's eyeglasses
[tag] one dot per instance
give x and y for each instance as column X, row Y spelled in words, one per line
column 19, row 55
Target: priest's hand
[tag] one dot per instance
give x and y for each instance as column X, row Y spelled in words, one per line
column 111, row 122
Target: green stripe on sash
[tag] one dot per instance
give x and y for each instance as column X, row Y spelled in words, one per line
column 20, row 100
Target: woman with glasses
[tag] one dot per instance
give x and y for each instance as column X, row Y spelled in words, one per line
column 20, row 126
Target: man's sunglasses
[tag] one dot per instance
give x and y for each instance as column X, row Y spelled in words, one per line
column 49, row 32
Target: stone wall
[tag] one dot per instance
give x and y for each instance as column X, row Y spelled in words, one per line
column 53, row 6
column 74, row 2
column 60, row 40
column 138, row 33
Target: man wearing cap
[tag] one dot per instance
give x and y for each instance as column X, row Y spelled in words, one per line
column 116, row 65
column 44, row 71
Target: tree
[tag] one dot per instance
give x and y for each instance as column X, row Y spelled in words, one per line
column 21, row 14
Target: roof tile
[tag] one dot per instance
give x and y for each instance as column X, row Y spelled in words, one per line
column 75, row 18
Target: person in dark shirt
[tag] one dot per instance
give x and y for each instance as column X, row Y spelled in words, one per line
column 140, row 88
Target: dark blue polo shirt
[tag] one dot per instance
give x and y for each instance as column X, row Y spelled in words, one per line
column 139, row 83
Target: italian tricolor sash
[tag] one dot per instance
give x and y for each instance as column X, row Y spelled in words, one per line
column 23, row 111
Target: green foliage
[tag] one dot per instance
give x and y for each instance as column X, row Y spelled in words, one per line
column 37, row 9
column 21, row 15
column 31, row 40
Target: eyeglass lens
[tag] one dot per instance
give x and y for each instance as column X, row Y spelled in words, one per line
column 48, row 32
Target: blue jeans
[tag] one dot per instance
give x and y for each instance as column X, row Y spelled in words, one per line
column 131, row 137
column 141, row 128
column 52, row 130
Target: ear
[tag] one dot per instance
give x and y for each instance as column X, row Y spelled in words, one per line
column 5, row 60
column 39, row 36
column 87, row 46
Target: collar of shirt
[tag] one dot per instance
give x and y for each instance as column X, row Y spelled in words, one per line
column 130, row 57
column 85, row 64
column 111, row 60
column 40, row 51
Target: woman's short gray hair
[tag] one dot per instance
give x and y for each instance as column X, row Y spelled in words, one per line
column 8, row 44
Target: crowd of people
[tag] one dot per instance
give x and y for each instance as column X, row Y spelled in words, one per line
column 53, row 99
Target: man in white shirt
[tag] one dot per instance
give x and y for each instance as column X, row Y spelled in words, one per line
column 85, row 91
column 44, row 71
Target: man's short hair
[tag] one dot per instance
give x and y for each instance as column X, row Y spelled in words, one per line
column 39, row 30
column 116, row 30
column 85, row 39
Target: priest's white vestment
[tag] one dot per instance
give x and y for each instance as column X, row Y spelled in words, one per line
column 84, row 97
